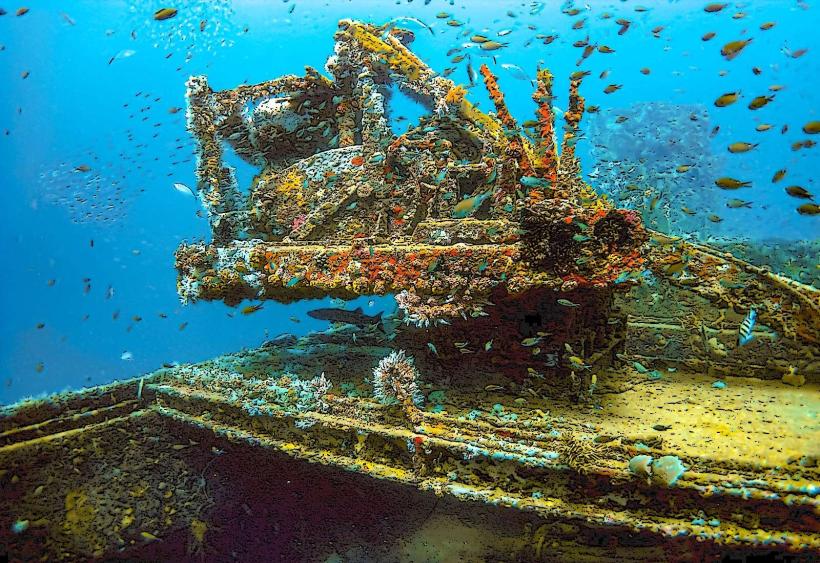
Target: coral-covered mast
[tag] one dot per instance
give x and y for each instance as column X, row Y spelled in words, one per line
column 515, row 147
column 573, row 115
column 546, row 130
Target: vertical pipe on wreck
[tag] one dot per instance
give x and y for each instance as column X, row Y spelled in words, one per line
column 546, row 127
column 568, row 164
column 515, row 146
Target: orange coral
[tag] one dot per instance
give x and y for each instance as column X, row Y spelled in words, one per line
column 497, row 97
column 455, row 95
column 546, row 127
column 515, row 148
column 573, row 116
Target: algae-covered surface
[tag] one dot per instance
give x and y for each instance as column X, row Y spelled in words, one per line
column 513, row 470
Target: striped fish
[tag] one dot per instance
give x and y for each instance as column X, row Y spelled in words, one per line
column 746, row 327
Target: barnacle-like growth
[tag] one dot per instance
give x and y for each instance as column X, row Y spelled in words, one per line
column 548, row 241
column 395, row 380
column 432, row 311
column 311, row 393
column 580, row 454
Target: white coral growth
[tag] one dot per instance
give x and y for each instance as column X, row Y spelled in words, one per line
column 188, row 289
column 395, row 379
column 311, row 393
column 435, row 311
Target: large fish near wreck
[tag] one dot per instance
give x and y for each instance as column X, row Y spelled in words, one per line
column 356, row 317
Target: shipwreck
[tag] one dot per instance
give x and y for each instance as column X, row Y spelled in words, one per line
column 549, row 374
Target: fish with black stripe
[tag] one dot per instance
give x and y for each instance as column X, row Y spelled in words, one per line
column 746, row 327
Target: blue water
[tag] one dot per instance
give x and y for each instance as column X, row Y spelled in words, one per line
column 70, row 111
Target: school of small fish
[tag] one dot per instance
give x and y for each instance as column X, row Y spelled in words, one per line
column 95, row 186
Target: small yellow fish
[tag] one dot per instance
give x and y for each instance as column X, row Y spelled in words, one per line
column 577, row 363
column 727, row 99
column 764, row 127
column 733, row 48
column 531, row 341
column 605, row 49
column 776, row 87
column 728, row 183
column 688, row 211
column 767, row 25
column 250, row 309
column 714, row 7
column 805, row 209
column 738, row 203
column 683, row 168
column 741, row 147
column 466, row 206
column 492, row 45
column 479, row 39
column 760, row 101
column 675, row 267
column 799, row 192
column 612, row 88
column 707, row 36
column 812, row 128
column 778, row 175
column 165, row 14
column 715, row 218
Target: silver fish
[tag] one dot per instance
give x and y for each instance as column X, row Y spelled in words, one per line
column 515, row 71
column 183, row 189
